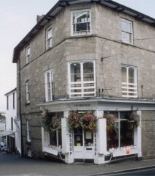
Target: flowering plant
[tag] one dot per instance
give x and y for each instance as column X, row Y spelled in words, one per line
column 50, row 122
column 86, row 121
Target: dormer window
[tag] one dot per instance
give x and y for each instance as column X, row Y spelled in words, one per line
column 81, row 22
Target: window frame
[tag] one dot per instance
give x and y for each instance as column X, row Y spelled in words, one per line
column 72, row 23
column 48, row 97
column 131, row 33
column 49, row 39
column 27, row 91
column 82, row 82
column 126, row 85
column 28, row 137
column 28, row 54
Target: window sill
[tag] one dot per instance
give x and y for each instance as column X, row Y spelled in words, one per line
column 27, row 103
column 125, row 43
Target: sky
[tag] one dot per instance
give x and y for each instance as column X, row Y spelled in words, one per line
column 17, row 17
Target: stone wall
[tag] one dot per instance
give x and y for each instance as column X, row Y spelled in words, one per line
column 148, row 134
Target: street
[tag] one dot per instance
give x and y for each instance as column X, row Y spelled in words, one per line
column 150, row 172
column 13, row 165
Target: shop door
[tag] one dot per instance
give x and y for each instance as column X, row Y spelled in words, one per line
column 83, row 144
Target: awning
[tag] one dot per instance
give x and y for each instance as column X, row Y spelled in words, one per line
column 7, row 133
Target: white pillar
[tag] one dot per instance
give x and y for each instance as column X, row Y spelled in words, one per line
column 66, row 139
column 101, row 139
column 139, row 135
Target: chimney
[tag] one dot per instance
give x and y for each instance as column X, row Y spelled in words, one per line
column 39, row 17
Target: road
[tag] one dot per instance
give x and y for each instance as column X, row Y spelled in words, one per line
column 141, row 172
column 13, row 165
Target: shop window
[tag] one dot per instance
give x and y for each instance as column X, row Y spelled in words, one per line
column 120, row 129
column 55, row 138
column 81, row 22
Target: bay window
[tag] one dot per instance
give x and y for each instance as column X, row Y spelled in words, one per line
column 81, row 22
column 82, row 79
column 129, row 81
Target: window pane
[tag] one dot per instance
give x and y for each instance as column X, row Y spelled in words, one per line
column 126, row 37
column 88, row 71
column 75, row 72
column 53, row 138
column 126, row 26
column 88, row 137
column 112, row 129
column 126, row 130
column 124, row 74
column 78, row 137
column 131, row 75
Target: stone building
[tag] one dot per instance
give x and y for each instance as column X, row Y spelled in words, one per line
column 86, row 84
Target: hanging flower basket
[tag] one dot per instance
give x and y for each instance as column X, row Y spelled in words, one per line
column 111, row 119
column 50, row 122
column 134, row 119
column 86, row 121
column 74, row 120
column 89, row 121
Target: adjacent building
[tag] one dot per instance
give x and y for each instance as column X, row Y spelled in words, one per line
column 2, row 127
column 12, row 133
column 86, row 84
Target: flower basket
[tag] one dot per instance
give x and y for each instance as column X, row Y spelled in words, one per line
column 86, row 121
column 134, row 120
column 50, row 122
column 74, row 120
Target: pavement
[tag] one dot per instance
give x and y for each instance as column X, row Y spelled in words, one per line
column 13, row 165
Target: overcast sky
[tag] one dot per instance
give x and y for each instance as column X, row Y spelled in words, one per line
column 17, row 17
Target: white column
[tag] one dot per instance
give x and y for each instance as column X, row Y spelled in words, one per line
column 101, row 139
column 66, row 141
column 139, row 135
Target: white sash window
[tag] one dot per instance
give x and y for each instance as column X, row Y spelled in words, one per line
column 81, row 22
column 48, row 85
column 82, row 82
column 129, row 82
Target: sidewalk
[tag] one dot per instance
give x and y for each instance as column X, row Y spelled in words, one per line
column 14, row 165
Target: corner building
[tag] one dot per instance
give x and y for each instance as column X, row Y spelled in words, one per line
column 86, row 84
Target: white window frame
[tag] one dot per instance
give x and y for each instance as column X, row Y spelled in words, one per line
column 28, row 54
column 129, row 33
column 127, row 87
column 48, row 85
column 27, row 92
column 28, row 138
column 72, row 23
column 72, row 85
column 49, row 40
